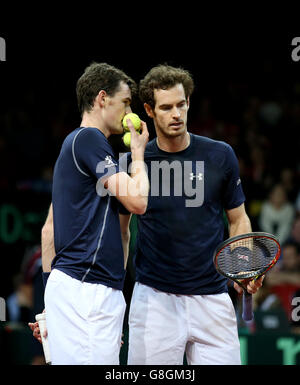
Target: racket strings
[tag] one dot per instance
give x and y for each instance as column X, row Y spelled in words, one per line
column 247, row 257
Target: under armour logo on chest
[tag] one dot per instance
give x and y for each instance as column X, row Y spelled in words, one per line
column 199, row 176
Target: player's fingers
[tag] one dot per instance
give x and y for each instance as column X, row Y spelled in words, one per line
column 251, row 290
column 143, row 128
column 260, row 280
column 130, row 126
column 139, row 140
column 238, row 288
column 143, row 133
column 254, row 285
column 134, row 134
column 36, row 332
column 32, row 325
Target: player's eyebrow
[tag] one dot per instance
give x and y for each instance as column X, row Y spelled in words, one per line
column 166, row 105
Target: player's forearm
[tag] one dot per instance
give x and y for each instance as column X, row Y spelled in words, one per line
column 241, row 226
column 140, row 182
column 125, row 234
column 125, row 243
column 48, row 250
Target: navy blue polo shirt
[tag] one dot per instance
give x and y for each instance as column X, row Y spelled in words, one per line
column 87, row 232
column 184, row 220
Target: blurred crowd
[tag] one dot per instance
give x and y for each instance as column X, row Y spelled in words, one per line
column 264, row 132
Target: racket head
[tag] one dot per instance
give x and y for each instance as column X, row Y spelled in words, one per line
column 256, row 253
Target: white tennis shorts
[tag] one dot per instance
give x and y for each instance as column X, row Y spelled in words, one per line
column 163, row 326
column 84, row 321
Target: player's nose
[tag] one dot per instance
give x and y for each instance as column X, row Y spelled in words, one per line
column 128, row 110
column 176, row 113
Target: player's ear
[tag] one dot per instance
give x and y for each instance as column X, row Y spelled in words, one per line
column 148, row 110
column 101, row 98
column 188, row 102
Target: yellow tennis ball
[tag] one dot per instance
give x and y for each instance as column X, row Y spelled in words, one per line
column 136, row 121
column 127, row 139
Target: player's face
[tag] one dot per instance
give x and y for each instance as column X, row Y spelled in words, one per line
column 170, row 111
column 117, row 107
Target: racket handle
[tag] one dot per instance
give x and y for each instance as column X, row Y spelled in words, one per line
column 247, row 307
column 41, row 319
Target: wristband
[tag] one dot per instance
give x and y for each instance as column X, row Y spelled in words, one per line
column 45, row 278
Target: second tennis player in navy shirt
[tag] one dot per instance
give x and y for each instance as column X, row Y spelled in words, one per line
column 180, row 303
column 175, row 240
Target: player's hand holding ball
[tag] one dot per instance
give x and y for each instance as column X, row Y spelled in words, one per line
column 136, row 133
column 135, row 120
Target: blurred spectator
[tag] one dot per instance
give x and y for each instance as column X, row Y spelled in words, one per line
column 271, row 112
column 295, row 232
column 19, row 303
column 287, row 269
column 277, row 214
column 284, row 279
column 288, row 182
column 260, row 173
column 297, row 204
column 27, row 299
column 41, row 184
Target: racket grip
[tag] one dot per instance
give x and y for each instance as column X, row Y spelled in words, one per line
column 41, row 319
column 247, row 307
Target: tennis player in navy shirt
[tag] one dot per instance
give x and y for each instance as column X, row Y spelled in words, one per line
column 84, row 302
column 180, row 303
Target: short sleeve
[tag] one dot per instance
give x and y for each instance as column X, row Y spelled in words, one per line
column 93, row 154
column 233, row 195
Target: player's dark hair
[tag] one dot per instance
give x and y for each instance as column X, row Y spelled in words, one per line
column 97, row 77
column 164, row 77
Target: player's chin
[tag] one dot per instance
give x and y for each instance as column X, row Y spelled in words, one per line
column 117, row 130
column 176, row 130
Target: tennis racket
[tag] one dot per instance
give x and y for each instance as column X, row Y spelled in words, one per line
column 244, row 258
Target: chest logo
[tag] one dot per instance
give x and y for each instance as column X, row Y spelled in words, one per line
column 109, row 162
column 193, row 176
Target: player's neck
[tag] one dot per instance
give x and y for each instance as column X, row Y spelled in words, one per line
column 90, row 120
column 175, row 144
